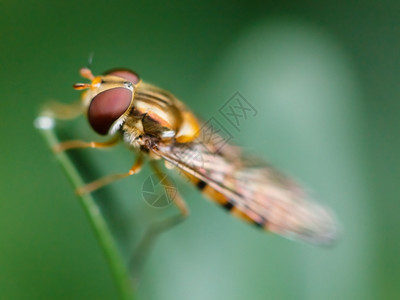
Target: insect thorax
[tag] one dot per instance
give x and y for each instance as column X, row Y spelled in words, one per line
column 139, row 127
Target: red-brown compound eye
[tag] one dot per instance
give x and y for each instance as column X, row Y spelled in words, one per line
column 107, row 107
column 126, row 74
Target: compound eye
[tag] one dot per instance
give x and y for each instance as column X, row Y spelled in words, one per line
column 126, row 74
column 107, row 107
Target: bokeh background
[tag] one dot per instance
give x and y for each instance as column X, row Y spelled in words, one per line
column 324, row 79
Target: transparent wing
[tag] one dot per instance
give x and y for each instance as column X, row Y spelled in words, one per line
column 261, row 193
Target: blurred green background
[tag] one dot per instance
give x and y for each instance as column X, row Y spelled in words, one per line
column 324, row 79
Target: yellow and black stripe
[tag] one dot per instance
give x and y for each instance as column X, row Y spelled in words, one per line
column 223, row 201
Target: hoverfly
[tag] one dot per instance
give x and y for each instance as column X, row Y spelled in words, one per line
column 156, row 125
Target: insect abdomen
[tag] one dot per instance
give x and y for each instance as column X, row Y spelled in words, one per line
column 223, row 201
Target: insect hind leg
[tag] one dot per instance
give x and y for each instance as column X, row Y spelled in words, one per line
column 158, row 227
column 177, row 199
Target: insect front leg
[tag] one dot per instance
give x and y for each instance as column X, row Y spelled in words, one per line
column 76, row 144
column 62, row 111
column 158, row 227
column 95, row 185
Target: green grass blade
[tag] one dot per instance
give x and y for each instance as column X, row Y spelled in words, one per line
column 117, row 268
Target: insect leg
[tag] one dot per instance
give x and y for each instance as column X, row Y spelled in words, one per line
column 94, row 185
column 177, row 199
column 75, row 144
column 158, row 227
column 62, row 111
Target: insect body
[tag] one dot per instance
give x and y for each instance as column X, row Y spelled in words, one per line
column 154, row 123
